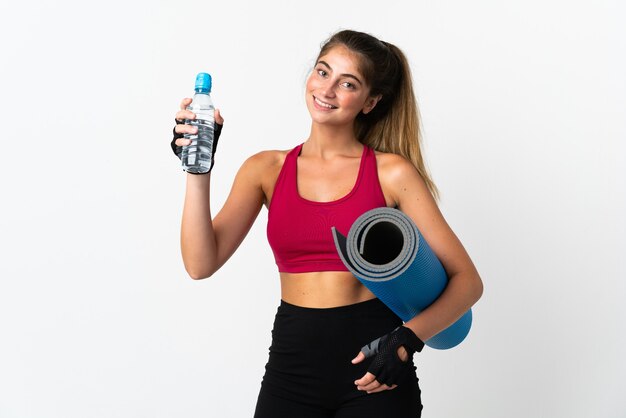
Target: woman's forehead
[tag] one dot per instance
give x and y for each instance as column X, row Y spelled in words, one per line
column 341, row 55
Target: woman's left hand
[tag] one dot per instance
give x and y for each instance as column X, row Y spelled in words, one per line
column 368, row 383
column 391, row 354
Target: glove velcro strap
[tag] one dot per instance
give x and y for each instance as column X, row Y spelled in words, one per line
column 402, row 335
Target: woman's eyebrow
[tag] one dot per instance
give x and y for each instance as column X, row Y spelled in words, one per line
column 324, row 63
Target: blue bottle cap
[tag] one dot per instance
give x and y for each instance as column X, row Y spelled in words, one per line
column 203, row 83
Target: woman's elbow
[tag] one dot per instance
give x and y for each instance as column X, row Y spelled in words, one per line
column 199, row 272
column 198, row 276
column 477, row 288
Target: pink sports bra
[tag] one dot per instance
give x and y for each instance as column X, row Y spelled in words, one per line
column 299, row 230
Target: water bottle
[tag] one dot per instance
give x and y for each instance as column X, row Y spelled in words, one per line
column 197, row 156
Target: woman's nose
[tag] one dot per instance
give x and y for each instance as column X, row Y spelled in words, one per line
column 328, row 88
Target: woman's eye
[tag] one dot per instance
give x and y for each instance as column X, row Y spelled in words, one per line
column 322, row 73
column 348, row 85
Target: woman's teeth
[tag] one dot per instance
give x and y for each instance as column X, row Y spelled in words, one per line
column 321, row 103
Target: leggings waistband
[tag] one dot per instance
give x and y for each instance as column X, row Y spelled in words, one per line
column 368, row 306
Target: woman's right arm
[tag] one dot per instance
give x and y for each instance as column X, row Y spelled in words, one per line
column 207, row 243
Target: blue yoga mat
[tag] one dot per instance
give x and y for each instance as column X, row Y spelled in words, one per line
column 386, row 252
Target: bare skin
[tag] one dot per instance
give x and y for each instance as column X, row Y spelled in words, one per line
column 327, row 170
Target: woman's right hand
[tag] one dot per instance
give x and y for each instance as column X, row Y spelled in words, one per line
column 180, row 129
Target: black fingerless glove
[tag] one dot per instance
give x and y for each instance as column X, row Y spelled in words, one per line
column 178, row 151
column 387, row 366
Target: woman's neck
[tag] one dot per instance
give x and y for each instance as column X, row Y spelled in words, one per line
column 327, row 141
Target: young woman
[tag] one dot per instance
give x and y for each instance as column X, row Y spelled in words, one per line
column 363, row 152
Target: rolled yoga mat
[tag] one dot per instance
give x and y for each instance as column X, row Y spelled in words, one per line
column 387, row 253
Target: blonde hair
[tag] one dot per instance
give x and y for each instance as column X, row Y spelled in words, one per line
column 394, row 123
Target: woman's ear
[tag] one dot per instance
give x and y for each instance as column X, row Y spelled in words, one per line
column 370, row 103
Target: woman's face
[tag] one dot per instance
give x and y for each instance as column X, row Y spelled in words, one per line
column 336, row 91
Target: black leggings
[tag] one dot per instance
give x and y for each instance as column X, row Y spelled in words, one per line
column 309, row 373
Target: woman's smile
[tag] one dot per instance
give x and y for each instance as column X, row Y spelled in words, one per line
column 322, row 104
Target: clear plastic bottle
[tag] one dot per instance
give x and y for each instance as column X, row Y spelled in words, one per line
column 197, row 156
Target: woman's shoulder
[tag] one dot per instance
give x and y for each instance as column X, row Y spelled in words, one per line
column 264, row 166
column 393, row 165
column 399, row 177
column 266, row 159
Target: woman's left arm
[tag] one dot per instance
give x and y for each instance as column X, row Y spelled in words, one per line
column 405, row 189
column 404, row 186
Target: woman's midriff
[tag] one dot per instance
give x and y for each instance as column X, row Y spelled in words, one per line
column 324, row 289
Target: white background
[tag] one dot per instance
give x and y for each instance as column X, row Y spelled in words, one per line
column 523, row 104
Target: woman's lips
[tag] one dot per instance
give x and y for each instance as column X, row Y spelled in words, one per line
column 322, row 104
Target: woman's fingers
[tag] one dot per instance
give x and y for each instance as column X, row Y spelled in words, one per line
column 359, row 358
column 365, row 380
column 182, row 142
column 185, row 129
column 369, row 384
column 183, row 113
column 382, row 388
column 185, row 102
column 369, row 387
column 373, row 386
